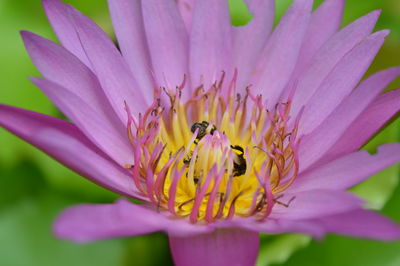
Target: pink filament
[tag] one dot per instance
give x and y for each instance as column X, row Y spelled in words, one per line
column 199, row 197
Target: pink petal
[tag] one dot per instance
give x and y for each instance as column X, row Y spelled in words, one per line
column 348, row 170
column 111, row 69
column 314, row 203
column 210, row 42
column 186, row 9
column 87, row 119
column 282, row 226
column 90, row 222
column 329, row 55
column 250, row 39
column 57, row 13
column 64, row 142
column 357, row 223
column 128, row 25
column 324, row 22
column 279, row 57
column 315, row 145
column 339, row 83
column 223, row 247
column 367, row 124
column 168, row 42
column 362, row 223
column 274, row 226
column 62, row 67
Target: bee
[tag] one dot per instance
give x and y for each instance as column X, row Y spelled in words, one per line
column 239, row 162
column 203, row 126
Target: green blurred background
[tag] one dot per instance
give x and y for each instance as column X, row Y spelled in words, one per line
column 34, row 188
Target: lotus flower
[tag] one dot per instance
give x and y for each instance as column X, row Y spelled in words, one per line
column 222, row 132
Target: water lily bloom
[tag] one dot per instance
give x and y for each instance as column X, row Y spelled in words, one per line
column 222, row 132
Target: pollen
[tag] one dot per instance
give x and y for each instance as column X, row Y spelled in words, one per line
column 216, row 155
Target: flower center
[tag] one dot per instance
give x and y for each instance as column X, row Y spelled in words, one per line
column 214, row 155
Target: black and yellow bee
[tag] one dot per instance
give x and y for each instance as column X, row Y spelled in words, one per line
column 239, row 162
column 203, row 130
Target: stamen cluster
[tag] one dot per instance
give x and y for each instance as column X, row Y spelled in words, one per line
column 214, row 155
